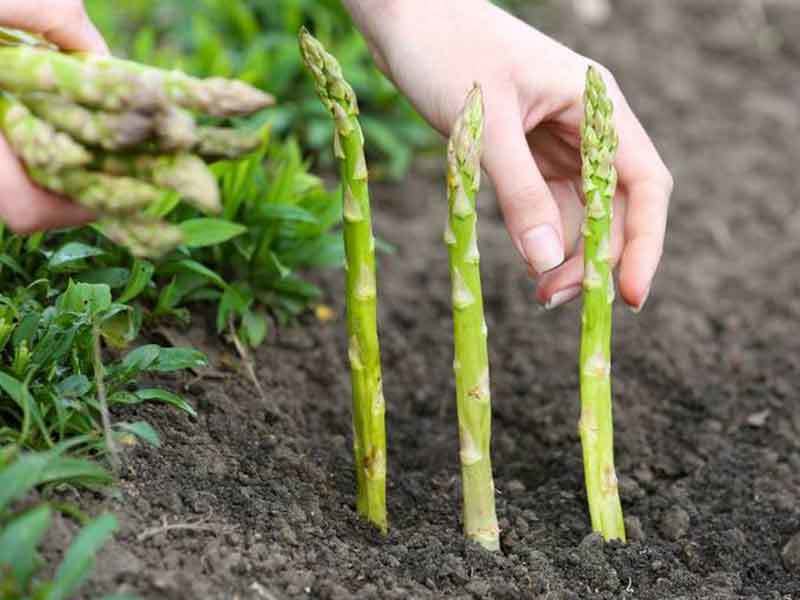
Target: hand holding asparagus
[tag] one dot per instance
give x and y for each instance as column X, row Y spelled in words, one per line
column 115, row 136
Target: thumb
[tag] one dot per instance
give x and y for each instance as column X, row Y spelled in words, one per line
column 531, row 214
column 64, row 23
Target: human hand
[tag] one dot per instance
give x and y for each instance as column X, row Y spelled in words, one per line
column 23, row 206
column 533, row 88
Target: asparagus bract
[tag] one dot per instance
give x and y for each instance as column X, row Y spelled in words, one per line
column 365, row 368
column 111, row 131
column 471, row 364
column 185, row 173
column 598, row 149
column 36, row 141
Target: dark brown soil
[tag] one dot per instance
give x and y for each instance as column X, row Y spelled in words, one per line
column 706, row 381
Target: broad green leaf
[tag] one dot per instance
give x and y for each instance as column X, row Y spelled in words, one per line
column 176, row 359
column 254, row 328
column 166, row 397
column 122, row 327
column 18, row 542
column 21, row 477
column 113, row 277
column 70, row 253
column 202, row 232
column 74, row 386
column 80, row 556
column 141, row 275
column 74, row 470
column 144, row 431
column 85, row 298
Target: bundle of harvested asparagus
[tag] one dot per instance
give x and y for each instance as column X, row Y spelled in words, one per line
column 116, row 136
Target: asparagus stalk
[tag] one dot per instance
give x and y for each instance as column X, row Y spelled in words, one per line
column 185, row 173
column 143, row 238
column 111, row 131
column 365, row 369
column 36, row 141
column 598, row 149
column 115, row 84
column 471, row 363
column 175, row 129
column 95, row 81
column 100, row 192
column 225, row 142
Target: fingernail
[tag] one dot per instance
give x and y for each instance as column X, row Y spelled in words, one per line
column 637, row 309
column 542, row 248
column 562, row 297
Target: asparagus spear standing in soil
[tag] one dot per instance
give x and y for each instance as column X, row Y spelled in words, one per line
column 365, row 368
column 471, row 363
column 598, row 149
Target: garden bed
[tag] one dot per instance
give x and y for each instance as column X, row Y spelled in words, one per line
column 261, row 503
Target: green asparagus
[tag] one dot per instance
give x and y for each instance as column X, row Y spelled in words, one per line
column 144, row 238
column 598, row 149
column 471, row 363
column 96, row 81
column 36, row 141
column 365, row 368
column 116, row 85
column 105, row 194
column 225, row 142
column 175, row 129
column 185, row 173
column 111, row 131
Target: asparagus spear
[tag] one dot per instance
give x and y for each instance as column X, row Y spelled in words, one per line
column 111, row 131
column 598, row 148
column 365, row 369
column 185, row 173
column 471, row 363
column 105, row 194
column 225, row 142
column 101, row 82
column 36, row 141
column 175, row 129
column 144, row 238
column 115, row 84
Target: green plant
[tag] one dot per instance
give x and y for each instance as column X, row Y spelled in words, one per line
column 471, row 364
column 598, row 148
column 364, row 350
column 23, row 526
column 255, row 41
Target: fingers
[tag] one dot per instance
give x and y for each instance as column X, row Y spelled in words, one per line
column 26, row 208
column 530, row 213
column 649, row 185
column 565, row 283
column 63, row 22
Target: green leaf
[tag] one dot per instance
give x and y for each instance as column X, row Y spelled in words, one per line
column 85, row 298
column 113, row 277
column 166, row 397
column 144, row 431
column 286, row 212
column 254, row 328
column 194, row 267
column 140, row 277
column 122, row 327
column 80, row 556
column 12, row 264
column 21, row 476
column 70, row 253
column 74, row 470
column 203, row 232
column 18, row 543
column 74, row 386
column 176, row 359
